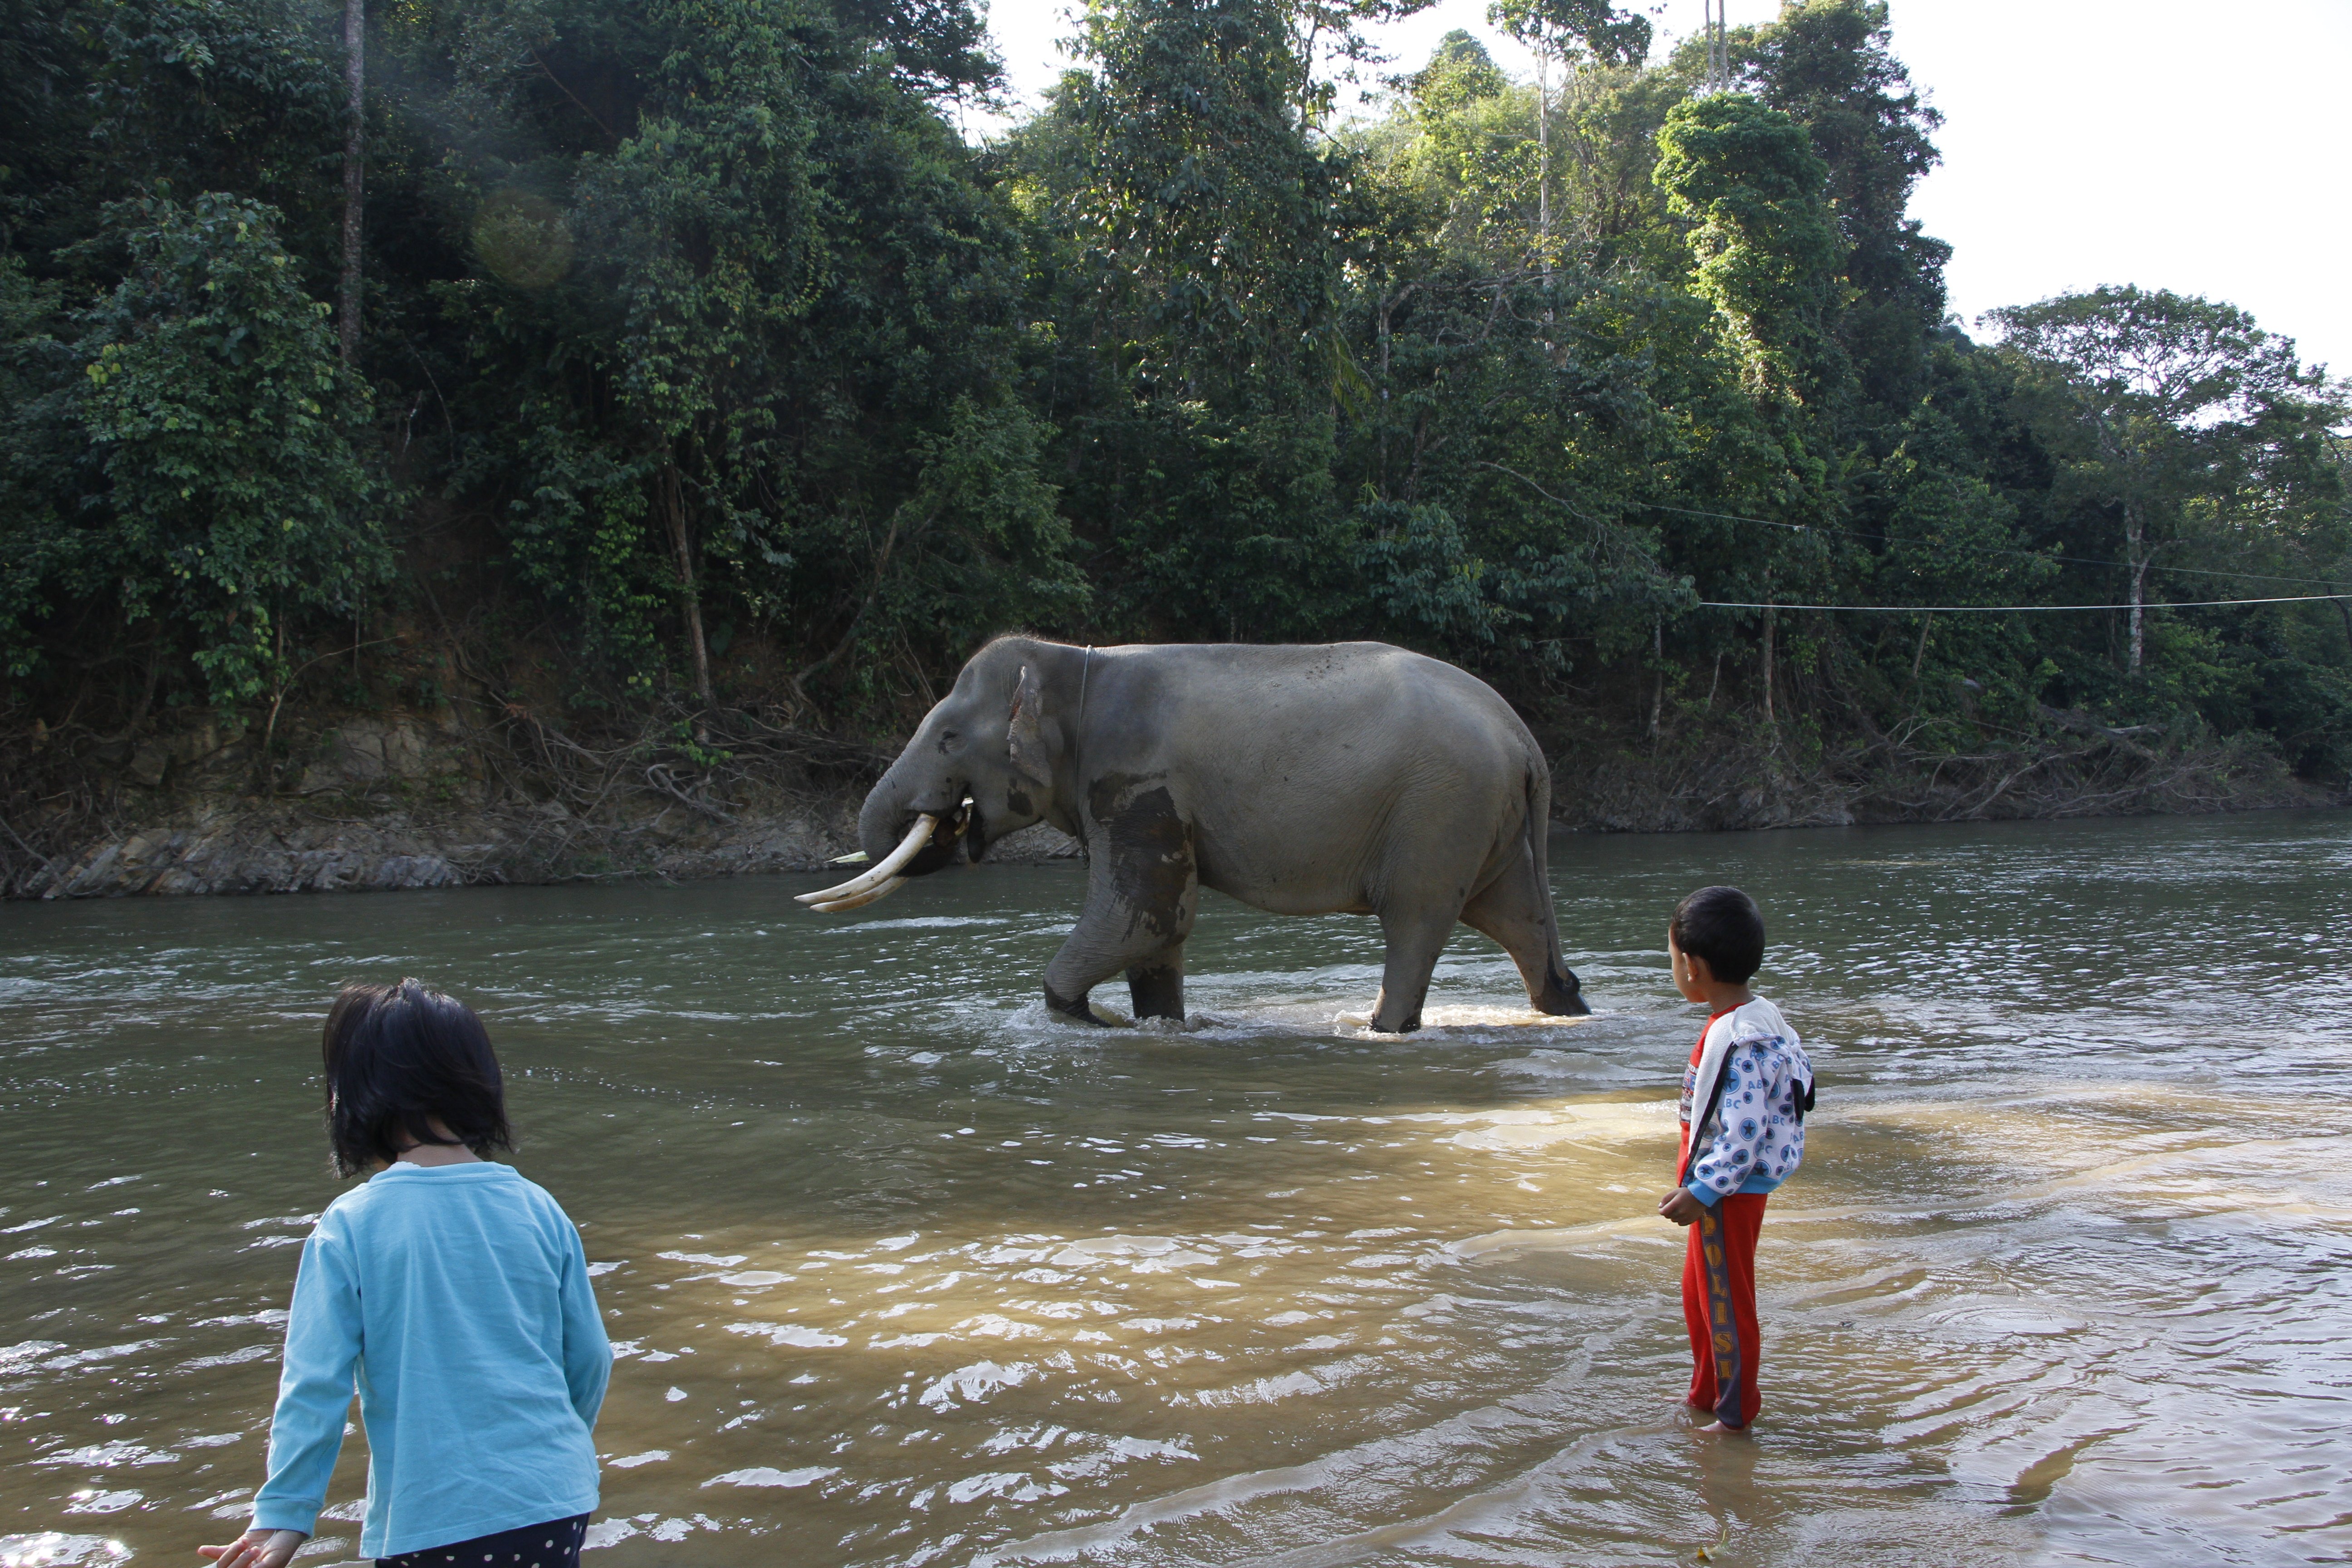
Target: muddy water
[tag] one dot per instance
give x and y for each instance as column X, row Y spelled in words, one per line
column 900, row 1274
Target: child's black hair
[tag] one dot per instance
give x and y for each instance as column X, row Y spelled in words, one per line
column 1723, row 926
column 400, row 1058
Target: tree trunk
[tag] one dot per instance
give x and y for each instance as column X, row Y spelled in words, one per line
column 1769, row 718
column 674, row 504
column 2136, row 555
column 1658, row 677
column 1920, row 656
column 354, row 160
column 1543, row 154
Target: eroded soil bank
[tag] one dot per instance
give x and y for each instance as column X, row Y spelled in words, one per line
column 459, row 796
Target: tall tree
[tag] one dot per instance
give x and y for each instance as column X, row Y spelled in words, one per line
column 1829, row 64
column 1204, row 238
column 2158, row 401
column 354, row 172
column 1563, row 30
column 1745, row 178
column 743, row 325
column 232, row 505
column 1594, row 28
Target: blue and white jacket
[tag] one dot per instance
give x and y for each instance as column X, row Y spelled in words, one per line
column 1745, row 1104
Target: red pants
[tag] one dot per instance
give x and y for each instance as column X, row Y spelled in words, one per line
column 1719, row 1306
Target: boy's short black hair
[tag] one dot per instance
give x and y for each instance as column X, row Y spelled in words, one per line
column 400, row 1058
column 1723, row 926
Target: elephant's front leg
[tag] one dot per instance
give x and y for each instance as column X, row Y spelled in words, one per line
column 1141, row 894
column 1157, row 987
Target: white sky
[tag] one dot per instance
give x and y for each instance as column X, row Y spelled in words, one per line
column 2191, row 146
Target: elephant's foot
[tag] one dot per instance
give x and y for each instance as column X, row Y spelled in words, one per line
column 1063, row 1010
column 1400, row 1021
column 1563, row 995
column 1157, row 992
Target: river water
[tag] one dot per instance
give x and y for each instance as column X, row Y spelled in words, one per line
column 900, row 1273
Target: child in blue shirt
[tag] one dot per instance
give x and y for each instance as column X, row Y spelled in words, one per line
column 455, row 1294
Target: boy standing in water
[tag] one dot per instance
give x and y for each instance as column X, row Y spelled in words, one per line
column 1745, row 1096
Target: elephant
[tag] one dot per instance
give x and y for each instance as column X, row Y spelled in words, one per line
column 1301, row 780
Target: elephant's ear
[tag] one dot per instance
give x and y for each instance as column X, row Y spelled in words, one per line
column 1027, row 744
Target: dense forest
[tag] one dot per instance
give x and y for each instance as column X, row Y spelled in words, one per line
column 665, row 393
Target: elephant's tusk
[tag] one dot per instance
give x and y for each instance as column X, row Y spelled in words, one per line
column 883, row 870
column 854, row 857
column 857, row 900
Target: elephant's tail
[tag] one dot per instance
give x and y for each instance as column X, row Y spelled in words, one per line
column 1537, row 827
column 1561, row 988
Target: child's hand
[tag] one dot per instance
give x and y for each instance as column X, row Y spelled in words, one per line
column 1681, row 1207
column 256, row 1549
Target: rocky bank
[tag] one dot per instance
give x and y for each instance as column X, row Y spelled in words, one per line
column 462, row 796
column 417, row 800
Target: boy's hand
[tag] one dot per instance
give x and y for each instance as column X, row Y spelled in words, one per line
column 1681, row 1207
column 256, row 1549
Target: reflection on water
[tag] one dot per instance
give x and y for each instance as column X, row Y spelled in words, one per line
column 899, row 1273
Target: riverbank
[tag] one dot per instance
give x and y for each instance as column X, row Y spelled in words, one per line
column 1752, row 776
column 382, row 801
column 464, row 795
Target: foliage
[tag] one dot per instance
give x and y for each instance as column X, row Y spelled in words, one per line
column 773, row 282
column 1828, row 64
column 2175, row 414
column 1197, row 243
column 1594, row 26
column 225, row 492
column 709, row 368
column 1747, row 180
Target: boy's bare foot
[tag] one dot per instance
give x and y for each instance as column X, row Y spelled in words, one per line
column 1718, row 1427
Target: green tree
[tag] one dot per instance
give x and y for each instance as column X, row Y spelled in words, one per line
column 238, row 96
column 1829, row 65
column 1747, row 180
column 1459, row 73
column 705, row 228
column 732, row 324
column 2162, row 406
column 1195, row 243
column 223, row 494
column 718, row 367
column 1593, row 27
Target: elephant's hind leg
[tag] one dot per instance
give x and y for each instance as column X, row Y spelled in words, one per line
column 1416, row 938
column 1514, row 909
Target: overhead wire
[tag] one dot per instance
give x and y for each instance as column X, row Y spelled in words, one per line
column 1978, row 549
column 2019, row 609
column 1995, row 549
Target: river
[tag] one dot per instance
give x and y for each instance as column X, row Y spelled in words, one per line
column 899, row 1273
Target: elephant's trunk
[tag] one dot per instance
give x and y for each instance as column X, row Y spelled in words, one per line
column 899, row 848
column 882, row 820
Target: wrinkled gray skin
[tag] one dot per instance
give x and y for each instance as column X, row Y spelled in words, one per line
column 1354, row 778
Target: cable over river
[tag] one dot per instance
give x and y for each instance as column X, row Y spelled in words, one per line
column 899, row 1273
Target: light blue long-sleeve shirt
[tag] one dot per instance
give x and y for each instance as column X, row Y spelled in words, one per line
column 458, row 1298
